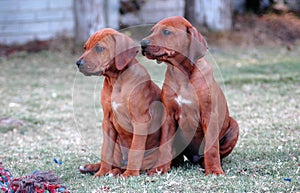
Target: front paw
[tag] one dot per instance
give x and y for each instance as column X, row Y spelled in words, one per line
column 159, row 170
column 129, row 173
column 115, row 172
column 217, row 172
column 103, row 171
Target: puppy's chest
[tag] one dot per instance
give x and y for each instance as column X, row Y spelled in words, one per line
column 186, row 104
column 180, row 90
column 183, row 96
column 120, row 108
column 119, row 101
column 185, row 99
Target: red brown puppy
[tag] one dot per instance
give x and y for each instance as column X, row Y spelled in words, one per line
column 198, row 123
column 130, row 102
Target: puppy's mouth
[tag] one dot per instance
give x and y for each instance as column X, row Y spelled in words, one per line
column 158, row 53
column 91, row 73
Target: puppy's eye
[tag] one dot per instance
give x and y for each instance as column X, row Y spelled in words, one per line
column 99, row 48
column 166, row 32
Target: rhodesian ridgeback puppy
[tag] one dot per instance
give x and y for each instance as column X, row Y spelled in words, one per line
column 198, row 124
column 131, row 104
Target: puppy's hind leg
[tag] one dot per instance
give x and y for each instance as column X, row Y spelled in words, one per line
column 228, row 142
column 90, row 168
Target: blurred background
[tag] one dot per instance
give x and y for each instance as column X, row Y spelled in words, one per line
column 35, row 25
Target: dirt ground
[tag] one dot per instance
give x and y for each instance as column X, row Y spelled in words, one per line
column 248, row 30
column 252, row 30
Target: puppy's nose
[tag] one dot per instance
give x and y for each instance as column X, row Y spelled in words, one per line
column 80, row 62
column 145, row 43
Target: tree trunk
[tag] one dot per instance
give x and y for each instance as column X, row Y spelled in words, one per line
column 89, row 18
column 215, row 14
column 190, row 11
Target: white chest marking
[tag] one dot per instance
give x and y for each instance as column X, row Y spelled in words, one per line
column 115, row 105
column 181, row 100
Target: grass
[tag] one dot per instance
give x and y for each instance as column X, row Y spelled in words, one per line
column 62, row 118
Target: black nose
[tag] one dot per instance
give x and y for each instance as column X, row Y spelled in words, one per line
column 80, row 62
column 145, row 43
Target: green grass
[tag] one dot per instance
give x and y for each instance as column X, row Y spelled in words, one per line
column 62, row 115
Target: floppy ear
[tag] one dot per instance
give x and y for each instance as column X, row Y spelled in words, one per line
column 125, row 51
column 198, row 45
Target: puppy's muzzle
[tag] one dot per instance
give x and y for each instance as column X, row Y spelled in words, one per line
column 80, row 62
column 145, row 43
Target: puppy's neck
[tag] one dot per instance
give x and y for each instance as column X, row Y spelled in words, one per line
column 112, row 74
column 183, row 64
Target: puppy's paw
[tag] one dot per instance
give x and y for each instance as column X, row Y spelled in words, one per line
column 102, row 172
column 129, row 173
column 159, row 170
column 217, row 172
column 115, row 172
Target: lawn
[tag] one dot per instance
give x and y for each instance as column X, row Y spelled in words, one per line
column 61, row 115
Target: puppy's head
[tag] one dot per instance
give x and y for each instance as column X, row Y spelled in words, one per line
column 106, row 50
column 171, row 37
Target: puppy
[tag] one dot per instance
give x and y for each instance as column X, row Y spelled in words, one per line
column 198, row 124
column 131, row 104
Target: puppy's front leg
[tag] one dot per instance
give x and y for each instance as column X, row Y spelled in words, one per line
column 212, row 159
column 137, row 150
column 109, row 140
column 165, row 157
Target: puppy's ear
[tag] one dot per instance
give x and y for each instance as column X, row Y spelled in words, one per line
column 198, row 45
column 125, row 51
